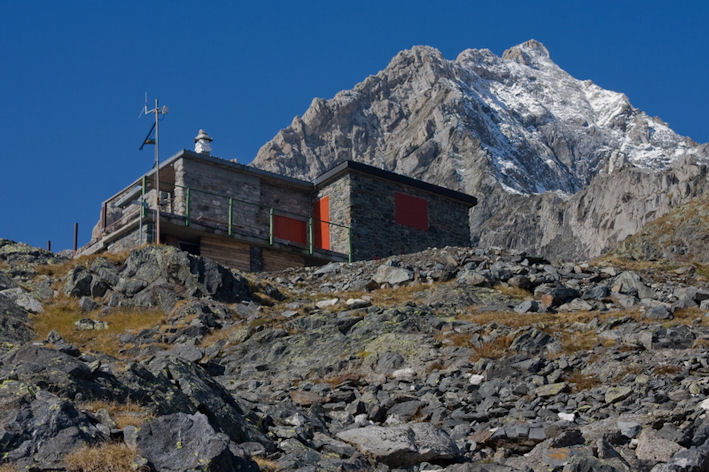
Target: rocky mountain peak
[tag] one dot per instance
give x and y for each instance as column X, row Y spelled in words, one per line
column 530, row 53
column 483, row 124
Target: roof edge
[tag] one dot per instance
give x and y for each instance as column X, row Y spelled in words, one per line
column 348, row 166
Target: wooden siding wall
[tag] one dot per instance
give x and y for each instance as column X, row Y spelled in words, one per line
column 279, row 260
column 227, row 252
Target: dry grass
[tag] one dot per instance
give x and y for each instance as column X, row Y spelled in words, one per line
column 117, row 258
column 266, row 465
column 111, row 457
column 494, row 349
column 631, row 369
column 688, row 315
column 124, row 414
column 578, row 341
column 454, row 339
column 623, row 263
column 579, row 381
column 667, row 369
column 702, row 270
column 338, row 379
column 8, row 468
column 512, row 292
column 62, row 314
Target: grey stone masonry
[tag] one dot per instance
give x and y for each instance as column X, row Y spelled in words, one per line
column 338, row 193
column 367, row 204
column 212, row 185
column 210, row 189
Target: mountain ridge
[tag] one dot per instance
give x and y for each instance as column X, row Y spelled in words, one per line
column 490, row 126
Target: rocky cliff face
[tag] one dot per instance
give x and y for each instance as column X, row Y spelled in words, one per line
column 490, row 126
column 613, row 206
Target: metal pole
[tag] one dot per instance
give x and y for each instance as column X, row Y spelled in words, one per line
column 140, row 222
column 310, row 235
column 231, row 212
column 157, row 174
column 76, row 236
column 349, row 242
column 270, row 227
column 49, row 245
column 187, row 206
column 142, row 195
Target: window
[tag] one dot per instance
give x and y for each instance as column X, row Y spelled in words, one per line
column 411, row 211
column 289, row 229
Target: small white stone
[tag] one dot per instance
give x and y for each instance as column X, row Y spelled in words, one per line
column 704, row 405
column 326, row 303
column 567, row 416
column 406, row 374
column 476, row 379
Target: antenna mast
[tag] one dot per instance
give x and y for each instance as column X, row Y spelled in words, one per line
column 157, row 111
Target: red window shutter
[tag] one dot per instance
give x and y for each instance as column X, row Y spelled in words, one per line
column 411, row 211
column 290, row 229
column 321, row 229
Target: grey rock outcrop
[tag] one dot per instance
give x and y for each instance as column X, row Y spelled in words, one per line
column 181, row 442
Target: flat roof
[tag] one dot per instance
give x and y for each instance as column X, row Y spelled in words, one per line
column 352, row 166
column 185, row 153
column 326, row 177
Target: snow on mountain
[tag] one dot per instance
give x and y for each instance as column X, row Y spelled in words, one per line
column 538, row 128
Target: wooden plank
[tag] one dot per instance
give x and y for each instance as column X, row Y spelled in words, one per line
column 230, row 253
column 274, row 260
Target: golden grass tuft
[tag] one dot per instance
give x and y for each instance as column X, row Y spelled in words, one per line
column 512, row 292
column 265, row 465
column 110, row 457
column 454, row 339
column 61, row 315
column 338, row 379
column 494, row 349
column 8, row 468
column 124, row 414
column 667, row 369
column 62, row 268
column 578, row 341
column 579, row 381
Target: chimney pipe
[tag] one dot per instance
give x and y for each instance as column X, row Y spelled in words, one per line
column 202, row 143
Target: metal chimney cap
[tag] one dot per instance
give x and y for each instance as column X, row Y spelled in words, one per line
column 203, row 135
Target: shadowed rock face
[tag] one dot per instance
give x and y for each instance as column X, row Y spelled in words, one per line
column 500, row 128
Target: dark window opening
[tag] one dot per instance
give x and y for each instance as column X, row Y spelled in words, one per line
column 411, row 211
column 192, row 248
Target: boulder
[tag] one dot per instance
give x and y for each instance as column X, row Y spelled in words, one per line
column 37, row 428
column 528, row 306
column 14, row 327
column 658, row 313
column 533, row 341
column 181, row 442
column 402, row 446
column 658, row 337
column 630, row 283
column 617, row 394
column 653, row 448
column 392, row 275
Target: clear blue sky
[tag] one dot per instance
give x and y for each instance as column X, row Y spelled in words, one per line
column 73, row 77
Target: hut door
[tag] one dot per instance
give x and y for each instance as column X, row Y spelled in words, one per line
column 321, row 226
